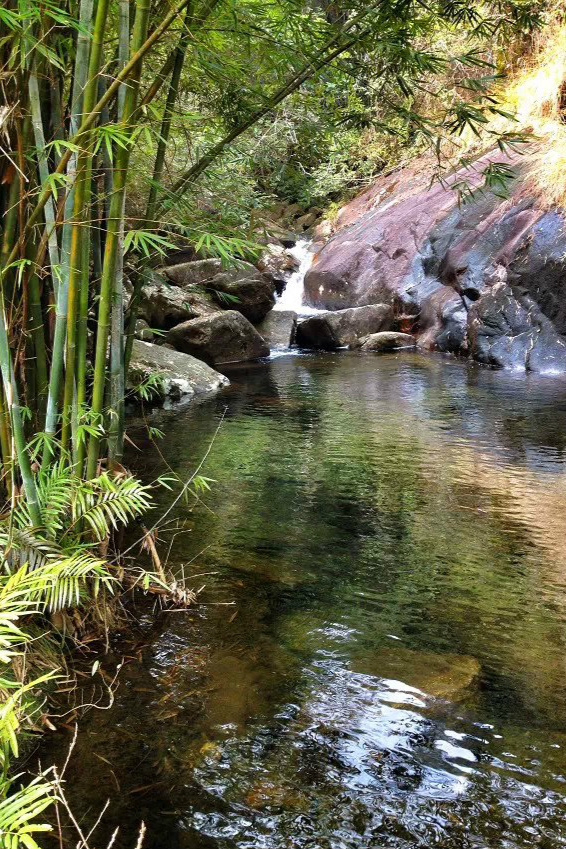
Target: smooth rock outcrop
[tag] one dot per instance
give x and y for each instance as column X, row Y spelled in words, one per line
column 485, row 279
column 180, row 376
column 387, row 340
column 278, row 329
column 340, row 328
column 246, row 290
column 223, row 337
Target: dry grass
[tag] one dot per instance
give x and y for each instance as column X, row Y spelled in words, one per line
column 536, row 95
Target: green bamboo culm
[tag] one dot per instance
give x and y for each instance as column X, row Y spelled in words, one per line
column 117, row 379
column 70, row 250
column 15, row 411
column 113, row 234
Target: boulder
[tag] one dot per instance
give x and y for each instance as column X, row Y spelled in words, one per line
column 387, row 340
column 338, row 329
column 277, row 261
column 244, row 289
column 192, row 273
column 223, row 337
column 163, row 306
column 180, row 376
column 305, row 222
column 143, row 331
column 278, row 329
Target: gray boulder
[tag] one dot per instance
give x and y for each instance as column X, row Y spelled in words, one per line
column 223, row 337
column 143, row 331
column 277, row 261
column 192, row 273
column 338, row 329
column 163, row 306
column 305, row 222
column 387, row 340
column 244, row 289
column 278, row 329
column 179, row 376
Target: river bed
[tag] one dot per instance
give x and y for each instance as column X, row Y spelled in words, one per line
column 378, row 659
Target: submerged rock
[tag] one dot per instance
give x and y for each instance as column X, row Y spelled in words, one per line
column 441, row 676
column 180, row 375
column 278, row 329
column 223, row 337
column 387, row 340
column 338, row 329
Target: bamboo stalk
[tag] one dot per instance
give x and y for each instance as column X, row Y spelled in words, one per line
column 115, row 224
column 13, row 405
column 117, row 382
column 49, row 212
column 66, row 303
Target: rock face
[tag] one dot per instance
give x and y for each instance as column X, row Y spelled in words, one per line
column 338, row 329
column 181, row 376
column 387, row 340
column 246, row 290
column 278, row 329
column 486, row 279
column 223, row 337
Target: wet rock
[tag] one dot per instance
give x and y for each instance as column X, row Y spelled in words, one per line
column 246, row 290
column 441, row 676
column 387, row 340
column 224, row 337
column 506, row 332
column 192, row 273
column 305, row 222
column 331, row 330
column 277, row 261
column 143, row 331
column 181, row 376
column 322, row 231
column 163, row 306
column 278, row 329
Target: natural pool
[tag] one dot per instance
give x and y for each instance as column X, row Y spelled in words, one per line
column 379, row 659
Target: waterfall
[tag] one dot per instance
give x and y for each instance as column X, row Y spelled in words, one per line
column 294, row 292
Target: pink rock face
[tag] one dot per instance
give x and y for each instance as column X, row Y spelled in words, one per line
column 456, row 275
column 382, row 232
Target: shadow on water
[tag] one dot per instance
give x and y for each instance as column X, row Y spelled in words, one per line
column 379, row 660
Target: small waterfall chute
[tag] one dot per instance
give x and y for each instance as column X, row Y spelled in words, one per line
column 292, row 297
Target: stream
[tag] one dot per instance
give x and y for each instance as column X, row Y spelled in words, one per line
column 378, row 656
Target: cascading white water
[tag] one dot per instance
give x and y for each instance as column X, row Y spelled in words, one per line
column 294, row 292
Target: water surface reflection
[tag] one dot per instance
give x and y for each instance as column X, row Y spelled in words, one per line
column 391, row 672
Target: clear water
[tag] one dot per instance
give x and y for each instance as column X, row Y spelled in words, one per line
column 379, row 656
column 292, row 297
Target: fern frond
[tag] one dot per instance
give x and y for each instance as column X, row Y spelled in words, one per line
column 106, row 502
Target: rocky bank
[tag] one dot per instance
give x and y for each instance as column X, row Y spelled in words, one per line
column 485, row 279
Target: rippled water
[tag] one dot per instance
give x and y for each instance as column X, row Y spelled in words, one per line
column 379, row 657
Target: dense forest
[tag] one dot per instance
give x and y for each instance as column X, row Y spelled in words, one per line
column 137, row 134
